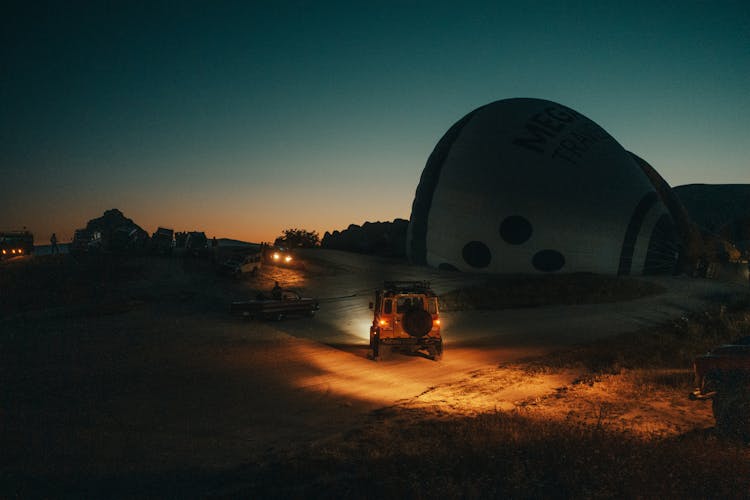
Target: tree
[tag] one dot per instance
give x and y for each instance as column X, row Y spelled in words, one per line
column 298, row 238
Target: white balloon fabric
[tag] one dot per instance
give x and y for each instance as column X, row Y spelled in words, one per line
column 528, row 186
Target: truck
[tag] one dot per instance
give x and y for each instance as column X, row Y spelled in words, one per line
column 406, row 317
column 196, row 244
column 86, row 241
column 238, row 264
column 15, row 243
column 162, row 241
column 279, row 256
column 723, row 376
column 286, row 303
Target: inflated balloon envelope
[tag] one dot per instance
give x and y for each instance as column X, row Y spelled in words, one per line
column 527, row 186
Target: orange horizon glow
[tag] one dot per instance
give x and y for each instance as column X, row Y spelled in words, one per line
column 219, row 224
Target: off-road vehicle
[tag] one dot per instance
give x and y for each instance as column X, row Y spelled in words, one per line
column 15, row 243
column 723, row 375
column 237, row 264
column 405, row 317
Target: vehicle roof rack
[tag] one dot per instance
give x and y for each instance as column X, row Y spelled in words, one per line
column 407, row 286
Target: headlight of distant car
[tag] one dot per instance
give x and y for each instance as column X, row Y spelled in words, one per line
column 288, row 259
column 276, row 256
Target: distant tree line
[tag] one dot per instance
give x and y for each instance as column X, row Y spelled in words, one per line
column 297, row 238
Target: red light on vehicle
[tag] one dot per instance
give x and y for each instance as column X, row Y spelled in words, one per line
column 436, row 322
column 383, row 322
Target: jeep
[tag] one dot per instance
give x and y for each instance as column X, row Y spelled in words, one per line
column 723, row 375
column 405, row 318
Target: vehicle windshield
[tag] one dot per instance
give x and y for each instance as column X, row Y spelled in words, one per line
column 404, row 304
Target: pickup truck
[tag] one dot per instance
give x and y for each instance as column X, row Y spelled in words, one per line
column 290, row 303
column 723, row 375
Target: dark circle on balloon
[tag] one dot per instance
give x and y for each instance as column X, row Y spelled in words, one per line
column 477, row 254
column 548, row 261
column 515, row 229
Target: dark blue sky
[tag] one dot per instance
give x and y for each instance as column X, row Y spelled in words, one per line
column 244, row 118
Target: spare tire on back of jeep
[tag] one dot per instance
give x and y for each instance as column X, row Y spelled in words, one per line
column 417, row 322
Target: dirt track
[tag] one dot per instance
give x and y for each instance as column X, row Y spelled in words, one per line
column 163, row 379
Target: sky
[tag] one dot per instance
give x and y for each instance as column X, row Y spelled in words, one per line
column 242, row 119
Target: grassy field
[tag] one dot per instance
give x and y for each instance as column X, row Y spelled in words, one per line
column 426, row 452
column 617, row 422
column 513, row 291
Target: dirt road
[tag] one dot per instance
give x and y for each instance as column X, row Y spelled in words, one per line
column 170, row 382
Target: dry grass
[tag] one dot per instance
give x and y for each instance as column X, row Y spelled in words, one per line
column 509, row 291
column 504, row 454
column 669, row 346
column 38, row 283
column 530, row 452
column 572, row 443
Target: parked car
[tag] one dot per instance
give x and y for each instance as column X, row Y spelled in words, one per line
column 723, row 375
column 236, row 265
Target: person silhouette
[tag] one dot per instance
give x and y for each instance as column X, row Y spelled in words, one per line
column 53, row 244
column 276, row 291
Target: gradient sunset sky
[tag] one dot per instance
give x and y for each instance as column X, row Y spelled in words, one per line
column 244, row 118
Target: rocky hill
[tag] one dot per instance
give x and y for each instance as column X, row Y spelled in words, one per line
column 380, row 238
column 720, row 209
column 117, row 231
